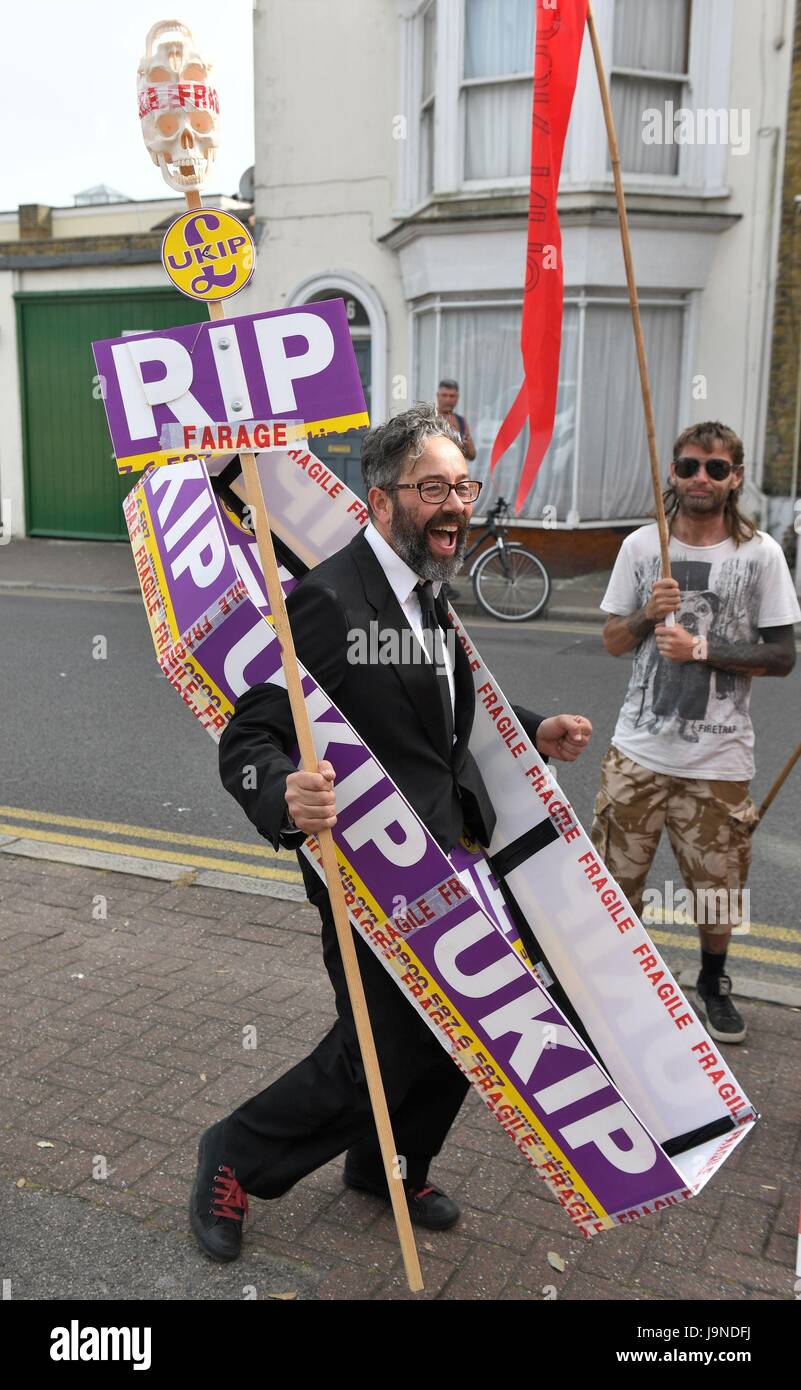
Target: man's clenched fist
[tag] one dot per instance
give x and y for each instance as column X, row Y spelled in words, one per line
column 564, row 736
column 310, row 799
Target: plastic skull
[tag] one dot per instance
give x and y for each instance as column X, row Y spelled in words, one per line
column 178, row 107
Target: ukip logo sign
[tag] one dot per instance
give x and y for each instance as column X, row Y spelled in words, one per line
column 208, row 255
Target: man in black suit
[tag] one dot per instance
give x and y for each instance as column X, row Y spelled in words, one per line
column 416, row 716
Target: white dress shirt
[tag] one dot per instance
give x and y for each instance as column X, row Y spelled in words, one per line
column 403, row 581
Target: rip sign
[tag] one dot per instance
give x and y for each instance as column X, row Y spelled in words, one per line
column 286, row 364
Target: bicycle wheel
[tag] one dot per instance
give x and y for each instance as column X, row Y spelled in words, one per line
column 512, row 585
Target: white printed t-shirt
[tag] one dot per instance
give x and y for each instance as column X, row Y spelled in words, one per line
column 687, row 719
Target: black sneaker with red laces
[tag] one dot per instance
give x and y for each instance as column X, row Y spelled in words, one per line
column 724, row 1023
column 218, row 1205
column 428, row 1206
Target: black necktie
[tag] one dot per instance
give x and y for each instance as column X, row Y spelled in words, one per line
column 425, row 594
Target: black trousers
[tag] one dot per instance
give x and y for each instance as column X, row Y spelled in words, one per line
column 321, row 1107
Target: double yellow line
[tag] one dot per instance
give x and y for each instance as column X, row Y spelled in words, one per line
column 14, row 820
column 281, row 865
column 744, row 947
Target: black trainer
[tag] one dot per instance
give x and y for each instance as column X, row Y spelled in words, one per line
column 218, row 1205
column 724, row 1023
column 428, row 1206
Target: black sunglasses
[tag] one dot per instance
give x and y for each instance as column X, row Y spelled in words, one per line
column 716, row 469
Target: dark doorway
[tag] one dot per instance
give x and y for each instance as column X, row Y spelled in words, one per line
column 342, row 452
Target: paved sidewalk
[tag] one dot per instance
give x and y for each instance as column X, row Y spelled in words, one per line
column 85, row 566
column 107, row 567
column 123, row 1036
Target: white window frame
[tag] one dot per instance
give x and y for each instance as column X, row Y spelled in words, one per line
column 702, row 168
column 481, row 185
column 424, row 102
column 684, row 80
column 706, row 84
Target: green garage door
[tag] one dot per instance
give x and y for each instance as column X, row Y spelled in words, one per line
column 72, row 487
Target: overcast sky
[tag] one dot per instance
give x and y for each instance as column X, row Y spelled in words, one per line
column 68, row 83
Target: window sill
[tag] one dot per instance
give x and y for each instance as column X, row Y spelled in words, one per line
column 588, row 204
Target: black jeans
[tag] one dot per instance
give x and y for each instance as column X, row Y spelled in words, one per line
column 321, row 1107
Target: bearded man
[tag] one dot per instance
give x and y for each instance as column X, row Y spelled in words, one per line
column 682, row 752
column 415, row 714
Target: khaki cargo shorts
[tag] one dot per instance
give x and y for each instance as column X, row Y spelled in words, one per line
column 708, row 824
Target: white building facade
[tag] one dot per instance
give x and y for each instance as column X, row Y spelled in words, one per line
column 392, row 158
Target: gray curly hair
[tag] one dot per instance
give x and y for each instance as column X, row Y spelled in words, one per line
column 402, row 439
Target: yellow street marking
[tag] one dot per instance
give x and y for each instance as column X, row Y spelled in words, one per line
column 762, row 953
column 235, row 866
column 682, row 919
column 225, row 866
column 170, row 837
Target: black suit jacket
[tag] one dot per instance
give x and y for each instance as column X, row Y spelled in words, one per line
column 395, row 708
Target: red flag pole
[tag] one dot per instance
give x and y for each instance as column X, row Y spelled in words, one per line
column 650, row 427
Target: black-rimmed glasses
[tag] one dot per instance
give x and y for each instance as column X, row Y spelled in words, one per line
column 436, row 490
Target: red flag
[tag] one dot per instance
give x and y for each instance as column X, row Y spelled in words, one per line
column 560, row 33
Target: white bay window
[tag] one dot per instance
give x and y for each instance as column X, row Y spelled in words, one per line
column 496, row 86
column 650, row 71
column 596, row 468
column 467, row 70
column 427, row 102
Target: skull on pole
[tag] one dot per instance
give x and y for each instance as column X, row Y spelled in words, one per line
column 178, row 107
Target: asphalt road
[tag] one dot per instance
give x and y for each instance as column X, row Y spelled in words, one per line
column 108, row 739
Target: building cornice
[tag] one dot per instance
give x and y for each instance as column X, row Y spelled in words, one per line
column 122, row 248
column 78, row 251
column 505, row 212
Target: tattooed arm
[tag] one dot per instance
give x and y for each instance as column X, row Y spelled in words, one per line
column 623, row 634
column 773, row 656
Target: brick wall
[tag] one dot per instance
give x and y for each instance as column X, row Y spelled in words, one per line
column 565, row 553
column 786, row 350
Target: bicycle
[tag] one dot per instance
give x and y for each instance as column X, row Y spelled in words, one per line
column 509, row 582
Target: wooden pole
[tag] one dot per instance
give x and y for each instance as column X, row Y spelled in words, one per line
column 309, row 760
column 650, row 427
column 777, row 786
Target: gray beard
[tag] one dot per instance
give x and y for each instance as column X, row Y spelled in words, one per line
column 410, row 542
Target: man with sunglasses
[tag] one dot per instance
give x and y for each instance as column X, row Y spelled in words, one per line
column 415, row 714
column 682, row 751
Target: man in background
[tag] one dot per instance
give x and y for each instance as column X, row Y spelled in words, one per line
column 682, row 751
column 447, row 401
